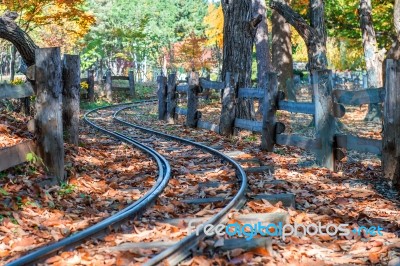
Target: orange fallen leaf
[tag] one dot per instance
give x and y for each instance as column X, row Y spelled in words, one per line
column 374, row 257
column 4, row 253
column 3, row 129
column 260, row 251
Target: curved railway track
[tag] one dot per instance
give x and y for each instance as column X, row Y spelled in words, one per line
column 181, row 153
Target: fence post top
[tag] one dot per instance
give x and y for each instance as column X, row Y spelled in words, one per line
column 234, row 77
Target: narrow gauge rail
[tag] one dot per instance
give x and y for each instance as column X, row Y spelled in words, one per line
column 136, row 134
column 128, row 213
column 182, row 249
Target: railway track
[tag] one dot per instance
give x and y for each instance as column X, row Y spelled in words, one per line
column 193, row 163
column 101, row 228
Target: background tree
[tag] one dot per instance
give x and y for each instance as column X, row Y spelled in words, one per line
column 282, row 59
column 373, row 57
column 263, row 56
column 193, row 55
column 394, row 51
column 239, row 32
column 314, row 34
column 140, row 31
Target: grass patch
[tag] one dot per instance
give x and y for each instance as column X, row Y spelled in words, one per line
column 85, row 105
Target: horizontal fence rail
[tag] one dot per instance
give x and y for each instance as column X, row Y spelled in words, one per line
column 359, row 97
column 326, row 108
column 8, row 91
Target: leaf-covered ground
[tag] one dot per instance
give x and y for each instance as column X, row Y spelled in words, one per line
column 104, row 177
column 13, row 128
column 357, row 195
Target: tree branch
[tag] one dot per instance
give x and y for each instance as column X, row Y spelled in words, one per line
column 293, row 18
column 10, row 31
column 255, row 21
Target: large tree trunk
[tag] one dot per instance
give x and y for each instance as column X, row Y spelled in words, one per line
column 239, row 32
column 317, row 21
column 315, row 38
column 394, row 51
column 282, row 59
column 373, row 61
column 263, row 56
column 10, row 31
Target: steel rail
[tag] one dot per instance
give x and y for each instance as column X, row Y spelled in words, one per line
column 181, row 250
column 132, row 211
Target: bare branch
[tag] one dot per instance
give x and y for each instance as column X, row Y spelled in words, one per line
column 10, row 31
column 293, row 18
column 255, row 21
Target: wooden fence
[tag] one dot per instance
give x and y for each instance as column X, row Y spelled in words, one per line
column 108, row 83
column 329, row 104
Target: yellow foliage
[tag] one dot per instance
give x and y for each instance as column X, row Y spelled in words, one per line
column 17, row 81
column 84, row 85
column 341, row 57
column 299, row 47
column 215, row 25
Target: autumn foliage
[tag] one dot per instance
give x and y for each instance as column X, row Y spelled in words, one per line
column 192, row 53
column 52, row 22
column 215, row 22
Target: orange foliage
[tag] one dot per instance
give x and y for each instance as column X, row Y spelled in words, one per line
column 192, row 53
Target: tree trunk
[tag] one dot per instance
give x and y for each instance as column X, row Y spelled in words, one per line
column 132, row 91
column 70, row 95
column 394, row 51
column 315, row 38
column 263, row 56
column 48, row 118
column 10, row 31
column 108, row 86
column 372, row 59
column 317, row 53
column 239, row 32
column 12, row 62
column 90, row 82
column 282, row 59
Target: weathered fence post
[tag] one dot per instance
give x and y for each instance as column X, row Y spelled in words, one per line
column 324, row 121
column 228, row 113
column 90, row 81
column 70, row 97
column 108, row 85
column 171, row 98
column 391, row 124
column 27, row 105
column 193, row 115
column 162, row 97
column 269, row 109
column 365, row 81
column 48, row 118
column 131, row 77
column 207, row 91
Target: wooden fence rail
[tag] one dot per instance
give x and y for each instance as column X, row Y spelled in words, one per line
column 8, row 91
column 328, row 105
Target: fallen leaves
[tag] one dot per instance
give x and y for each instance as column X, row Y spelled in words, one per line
column 321, row 196
column 32, row 215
